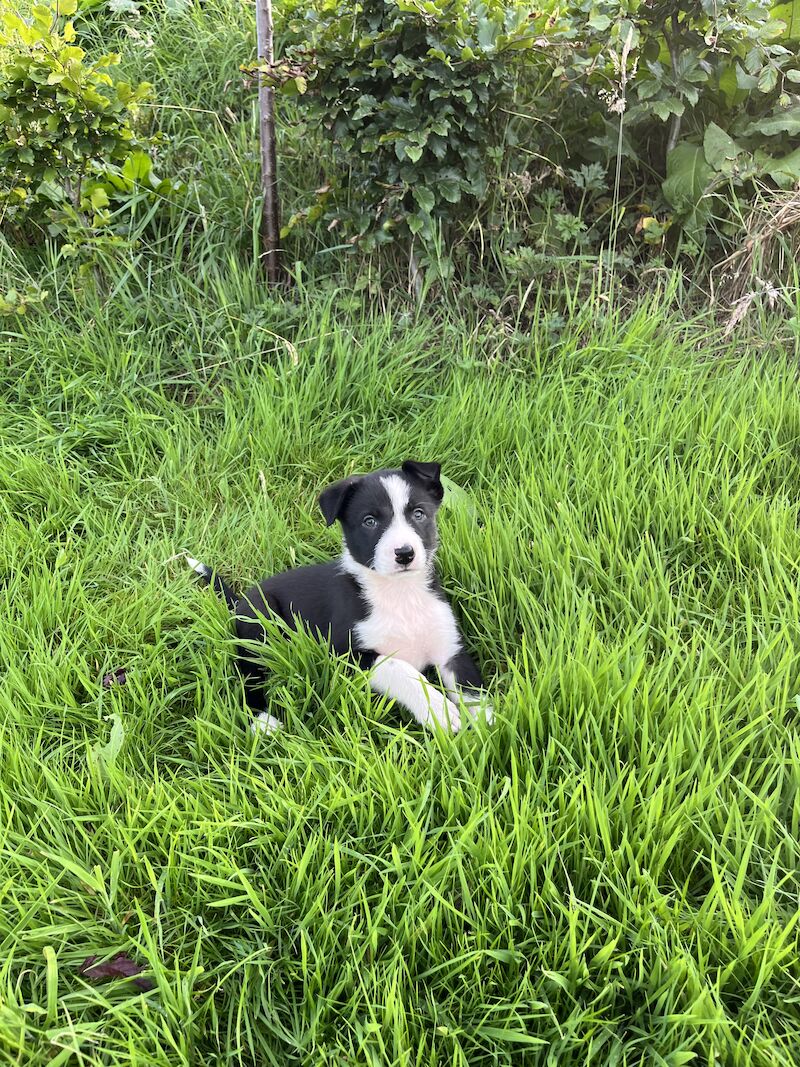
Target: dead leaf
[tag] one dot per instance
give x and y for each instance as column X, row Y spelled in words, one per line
column 120, row 966
column 117, row 677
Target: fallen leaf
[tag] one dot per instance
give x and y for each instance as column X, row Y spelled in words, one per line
column 458, row 497
column 117, row 677
column 105, row 755
column 120, row 966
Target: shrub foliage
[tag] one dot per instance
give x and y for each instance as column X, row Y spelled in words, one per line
column 71, row 165
column 699, row 98
column 436, row 110
column 412, row 95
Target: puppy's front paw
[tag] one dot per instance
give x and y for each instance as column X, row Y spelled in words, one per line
column 476, row 706
column 446, row 713
column 265, row 724
column 483, row 711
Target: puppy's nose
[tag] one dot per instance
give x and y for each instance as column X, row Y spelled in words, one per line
column 404, row 554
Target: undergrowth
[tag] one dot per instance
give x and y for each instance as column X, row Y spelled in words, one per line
column 608, row 875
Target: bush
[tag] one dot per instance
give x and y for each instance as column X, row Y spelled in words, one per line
column 71, row 165
column 603, row 122
column 411, row 95
column 701, row 100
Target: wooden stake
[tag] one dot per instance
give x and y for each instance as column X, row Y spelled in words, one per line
column 270, row 208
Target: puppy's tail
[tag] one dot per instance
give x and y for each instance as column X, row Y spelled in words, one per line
column 213, row 579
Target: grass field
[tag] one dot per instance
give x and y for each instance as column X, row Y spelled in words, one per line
column 606, row 876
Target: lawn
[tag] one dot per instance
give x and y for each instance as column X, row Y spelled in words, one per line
column 608, row 875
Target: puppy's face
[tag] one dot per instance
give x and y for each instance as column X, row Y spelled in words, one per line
column 388, row 518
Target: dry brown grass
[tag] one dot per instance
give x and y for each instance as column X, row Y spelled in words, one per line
column 753, row 273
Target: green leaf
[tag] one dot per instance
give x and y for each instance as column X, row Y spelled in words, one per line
column 487, row 33
column 519, row 1037
column 105, row 756
column 99, row 198
column 450, row 189
column 366, row 105
column 792, row 75
column 767, row 79
column 294, row 86
column 424, row 197
column 718, row 147
column 785, row 121
column 744, row 80
column 665, row 109
column 416, row 223
column 688, row 176
column 728, row 85
column 598, row 21
column 136, row 168
column 789, row 15
column 754, row 60
column 785, row 172
column 458, row 498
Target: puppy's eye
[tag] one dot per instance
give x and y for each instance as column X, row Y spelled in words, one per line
column 419, row 514
column 370, row 522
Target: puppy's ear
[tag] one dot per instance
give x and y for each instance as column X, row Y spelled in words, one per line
column 333, row 499
column 428, row 474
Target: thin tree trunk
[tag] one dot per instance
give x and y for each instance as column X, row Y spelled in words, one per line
column 673, row 44
column 270, row 208
column 414, row 275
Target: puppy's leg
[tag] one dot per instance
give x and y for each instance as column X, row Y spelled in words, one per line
column 403, row 683
column 255, row 698
column 463, row 684
column 252, row 673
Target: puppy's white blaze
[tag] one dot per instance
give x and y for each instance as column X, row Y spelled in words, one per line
column 399, row 533
column 402, row 682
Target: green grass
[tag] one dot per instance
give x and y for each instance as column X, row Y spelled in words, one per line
column 606, row 876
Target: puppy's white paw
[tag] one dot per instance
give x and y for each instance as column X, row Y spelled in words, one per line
column 476, row 706
column 483, row 711
column 265, row 724
column 445, row 712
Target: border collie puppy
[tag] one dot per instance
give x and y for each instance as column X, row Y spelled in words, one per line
column 380, row 602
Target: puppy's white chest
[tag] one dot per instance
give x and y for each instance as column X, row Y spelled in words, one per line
column 407, row 621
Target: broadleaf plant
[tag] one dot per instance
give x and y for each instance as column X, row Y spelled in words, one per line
column 412, row 95
column 71, row 164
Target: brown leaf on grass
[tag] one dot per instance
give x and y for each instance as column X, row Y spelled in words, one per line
column 117, row 677
column 120, row 966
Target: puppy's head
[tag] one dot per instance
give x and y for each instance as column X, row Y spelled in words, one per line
column 388, row 518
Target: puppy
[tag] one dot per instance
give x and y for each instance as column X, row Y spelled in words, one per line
column 380, row 602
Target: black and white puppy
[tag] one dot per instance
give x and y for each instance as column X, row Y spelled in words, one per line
column 380, row 602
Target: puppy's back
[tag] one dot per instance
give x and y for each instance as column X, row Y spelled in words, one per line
column 323, row 596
